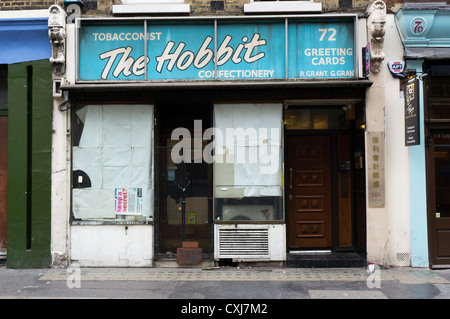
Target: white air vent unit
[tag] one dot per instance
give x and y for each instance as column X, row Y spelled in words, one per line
column 250, row 242
column 243, row 242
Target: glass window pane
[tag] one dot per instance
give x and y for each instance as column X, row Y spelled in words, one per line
column 440, row 101
column 315, row 119
column 112, row 163
column 247, row 166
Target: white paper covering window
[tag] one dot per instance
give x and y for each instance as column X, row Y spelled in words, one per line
column 248, row 163
column 112, row 162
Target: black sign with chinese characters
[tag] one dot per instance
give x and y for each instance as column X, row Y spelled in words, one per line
column 412, row 115
column 375, row 169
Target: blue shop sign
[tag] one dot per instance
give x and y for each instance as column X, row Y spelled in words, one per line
column 425, row 25
column 236, row 49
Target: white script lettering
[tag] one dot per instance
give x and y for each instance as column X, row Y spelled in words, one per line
column 127, row 65
column 183, row 60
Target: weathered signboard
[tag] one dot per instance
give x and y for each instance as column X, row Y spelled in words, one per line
column 147, row 50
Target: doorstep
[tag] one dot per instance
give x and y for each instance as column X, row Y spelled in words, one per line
column 325, row 260
column 172, row 262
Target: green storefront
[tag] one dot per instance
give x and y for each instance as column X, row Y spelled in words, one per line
column 26, row 125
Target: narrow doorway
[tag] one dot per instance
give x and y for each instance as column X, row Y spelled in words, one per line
column 323, row 164
column 309, row 199
column 437, row 115
column 438, row 175
column 184, row 180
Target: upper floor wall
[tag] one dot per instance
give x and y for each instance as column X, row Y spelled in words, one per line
column 209, row 7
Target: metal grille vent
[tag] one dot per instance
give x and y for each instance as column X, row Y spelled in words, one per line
column 402, row 256
column 244, row 243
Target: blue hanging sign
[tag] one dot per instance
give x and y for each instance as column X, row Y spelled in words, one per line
column 215, row 50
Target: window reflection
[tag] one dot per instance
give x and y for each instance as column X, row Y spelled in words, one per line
column 315, row 118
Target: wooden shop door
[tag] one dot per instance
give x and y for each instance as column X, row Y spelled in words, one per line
column 309, row 192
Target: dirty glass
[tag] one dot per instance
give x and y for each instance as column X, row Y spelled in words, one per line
column 248, row 162
column 440, row 100
column 315, row 119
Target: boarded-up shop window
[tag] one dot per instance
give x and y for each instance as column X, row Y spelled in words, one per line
column 112, row 163
column 248, row 162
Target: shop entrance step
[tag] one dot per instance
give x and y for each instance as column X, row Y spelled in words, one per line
column 325, row 260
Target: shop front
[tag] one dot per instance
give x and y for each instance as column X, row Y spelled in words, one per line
column 25, row 142
column 426, row 43
column 437, row 130
column 236, row 139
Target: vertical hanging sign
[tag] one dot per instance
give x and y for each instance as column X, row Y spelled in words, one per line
column 412, row 115
column 366, row 60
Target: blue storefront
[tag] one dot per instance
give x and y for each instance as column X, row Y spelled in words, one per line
column 426, row 40
column 148, row 96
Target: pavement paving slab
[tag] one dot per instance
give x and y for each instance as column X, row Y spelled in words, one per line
column 346, row 294
column 152, row 274
column 224, row 283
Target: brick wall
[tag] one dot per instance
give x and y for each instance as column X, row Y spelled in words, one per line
column 204, row 7
column 26, row 4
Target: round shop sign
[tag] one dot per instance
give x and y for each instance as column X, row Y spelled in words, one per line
column 418, row 26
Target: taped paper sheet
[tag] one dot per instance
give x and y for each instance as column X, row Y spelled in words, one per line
column 115, row 151
column 252, row 135
column 93, row 203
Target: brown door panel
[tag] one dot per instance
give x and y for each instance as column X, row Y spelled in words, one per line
column 438, row 175
column 309, row 203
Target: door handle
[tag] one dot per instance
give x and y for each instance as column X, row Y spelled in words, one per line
column 290, row 178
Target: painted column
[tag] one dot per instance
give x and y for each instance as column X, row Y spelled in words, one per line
column 377, row 217
column 418, row 188
column 61, row 167
column 397, row 156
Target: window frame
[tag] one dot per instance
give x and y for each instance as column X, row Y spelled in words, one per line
column 129, row 219
column 277, row 215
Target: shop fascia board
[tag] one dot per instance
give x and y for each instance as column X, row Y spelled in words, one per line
column 113, row 85
column 105, row 84
column 421, row 53
column 219, row 18
column 434, row 18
